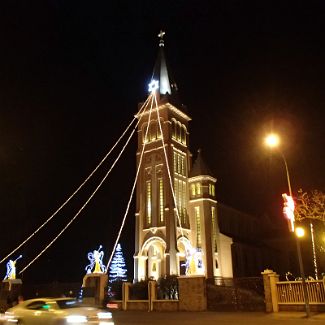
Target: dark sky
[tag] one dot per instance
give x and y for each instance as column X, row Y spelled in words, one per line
column 73, row 72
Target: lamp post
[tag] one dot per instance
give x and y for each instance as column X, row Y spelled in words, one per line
column 273, row 141
column 299, row 234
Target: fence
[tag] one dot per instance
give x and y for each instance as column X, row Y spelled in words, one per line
column 291, row 292
column 289, row 295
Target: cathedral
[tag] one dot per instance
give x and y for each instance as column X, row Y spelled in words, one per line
column 177, row 228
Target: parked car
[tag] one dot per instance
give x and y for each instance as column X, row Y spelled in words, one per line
column 56, row 311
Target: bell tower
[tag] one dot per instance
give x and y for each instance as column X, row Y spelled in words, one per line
column 162, row 188
column 176, row 228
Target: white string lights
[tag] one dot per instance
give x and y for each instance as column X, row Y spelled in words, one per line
column 153, row 100
column 73, row 194
column 134, row 184
column 168, row 169
column 152, row 89
column 142, row 109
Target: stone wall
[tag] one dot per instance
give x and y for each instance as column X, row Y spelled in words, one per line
column 192, row 293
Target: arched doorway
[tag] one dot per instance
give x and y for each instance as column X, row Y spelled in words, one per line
column 183, row 246
column 154, row 249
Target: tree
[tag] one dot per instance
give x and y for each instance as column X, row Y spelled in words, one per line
column 117, row 269
column 311, row 205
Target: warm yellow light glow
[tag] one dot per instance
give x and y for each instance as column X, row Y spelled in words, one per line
column 300, row 232
column 272, row 140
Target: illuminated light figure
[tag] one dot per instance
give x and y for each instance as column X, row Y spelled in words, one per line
column 288, row 210
column 191, row 262
column 11, row 269
column 96, row 261
column 153, row 86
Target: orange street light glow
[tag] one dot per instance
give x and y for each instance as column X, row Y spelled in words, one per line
column 300, row 232
column 272, row 140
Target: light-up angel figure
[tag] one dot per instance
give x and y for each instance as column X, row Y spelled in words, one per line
column 96, row 261
column 11, row 269
column 191, row 263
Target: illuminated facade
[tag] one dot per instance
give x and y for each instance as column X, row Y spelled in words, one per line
column 167, row 242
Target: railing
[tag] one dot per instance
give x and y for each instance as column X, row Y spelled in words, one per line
column 291, row 292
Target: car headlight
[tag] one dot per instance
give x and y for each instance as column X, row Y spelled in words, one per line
column 10, row 317
column 76, row 319
column 104, row 315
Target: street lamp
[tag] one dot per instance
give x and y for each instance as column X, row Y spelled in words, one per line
column 273, row 141
column 300, row 232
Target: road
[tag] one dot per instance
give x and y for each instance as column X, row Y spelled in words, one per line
column 213, row 318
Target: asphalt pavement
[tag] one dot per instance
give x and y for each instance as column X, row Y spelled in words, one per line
column 213, row 318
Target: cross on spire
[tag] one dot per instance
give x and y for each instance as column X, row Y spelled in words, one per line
column 161, row 36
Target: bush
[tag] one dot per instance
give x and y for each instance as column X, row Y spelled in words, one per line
column 168, row 287
column 139, row 290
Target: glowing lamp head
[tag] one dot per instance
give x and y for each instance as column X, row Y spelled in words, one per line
column 300, row 232
column 272, row 140
column 153, row 86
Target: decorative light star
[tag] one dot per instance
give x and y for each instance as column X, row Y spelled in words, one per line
column 153, row 86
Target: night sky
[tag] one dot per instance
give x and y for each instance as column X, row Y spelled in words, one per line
column 73, row 72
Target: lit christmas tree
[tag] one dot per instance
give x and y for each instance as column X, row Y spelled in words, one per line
column 117, row 269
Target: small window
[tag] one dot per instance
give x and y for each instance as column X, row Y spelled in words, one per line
column 173, row 129
column 36, row 305
column 153, row 132
column 183, row 134
column 198, row 188
column 193, row 189
column 178, row 131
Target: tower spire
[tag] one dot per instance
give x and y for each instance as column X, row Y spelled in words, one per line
column 160, row 71
column 161, row 37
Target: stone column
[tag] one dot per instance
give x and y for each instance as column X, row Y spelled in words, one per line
column 192, row 293
column 152, row 293
column 10, row 290
column 125, row 294
column 94, row 285
column 274, row 278
column 271, row 298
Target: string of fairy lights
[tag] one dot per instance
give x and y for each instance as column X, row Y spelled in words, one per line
column 74, row 193
column 152, row 99
column 134, row 185
column 141, row 111
column 168, row 170
column 153, row 86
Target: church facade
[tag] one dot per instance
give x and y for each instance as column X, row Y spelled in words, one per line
column 177, row 229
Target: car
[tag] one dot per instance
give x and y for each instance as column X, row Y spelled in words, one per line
column 56, row 311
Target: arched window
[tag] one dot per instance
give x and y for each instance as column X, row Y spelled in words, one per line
column 178, row 131
column 193, row 189
column 153, row 131
column 158, row 129
column 173, row 128
column 198, row 188
column 183, row 134
column 144, row 130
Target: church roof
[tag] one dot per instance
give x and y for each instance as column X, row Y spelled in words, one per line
column 199, row 167
column 167, row 86
column 160, row 72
